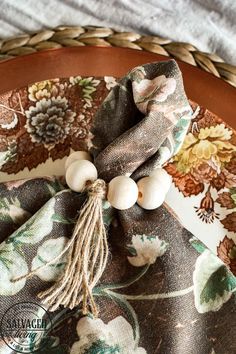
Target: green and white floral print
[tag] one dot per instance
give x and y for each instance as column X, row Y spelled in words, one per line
column 213, row 283
column 37, row 227
column 115, row 337
column 11, row 211
column 145, row 249
column 12, row 265
column 49, row 250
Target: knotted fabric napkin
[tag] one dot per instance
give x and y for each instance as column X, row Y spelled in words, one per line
column 163, row 290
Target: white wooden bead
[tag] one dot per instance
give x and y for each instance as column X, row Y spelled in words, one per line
column 122, row 192
column 78, row 173
column 77, row 155
column 162, row 177
column 151, row 193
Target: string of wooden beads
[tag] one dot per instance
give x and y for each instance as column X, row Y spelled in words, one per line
column 123, row 192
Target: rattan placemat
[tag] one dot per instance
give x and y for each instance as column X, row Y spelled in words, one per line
column 65, row 36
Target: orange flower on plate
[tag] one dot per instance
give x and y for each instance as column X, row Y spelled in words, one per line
column 206, row 210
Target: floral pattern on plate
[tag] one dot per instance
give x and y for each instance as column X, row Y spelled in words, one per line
column 47, row 119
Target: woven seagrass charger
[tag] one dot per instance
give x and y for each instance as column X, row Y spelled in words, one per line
column 95, row 51
column 76, row 36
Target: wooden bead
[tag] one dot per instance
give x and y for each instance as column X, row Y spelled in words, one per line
column 122, row 192
column 151, row 193
column 163, row 178
column 77, row 155
column 79, row 173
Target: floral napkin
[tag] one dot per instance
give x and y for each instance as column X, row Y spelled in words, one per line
column 164, row 289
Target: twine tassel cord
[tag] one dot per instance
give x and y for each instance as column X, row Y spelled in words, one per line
column 72, row 258
column 87, row 255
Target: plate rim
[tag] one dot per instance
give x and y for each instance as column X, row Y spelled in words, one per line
column 219, row 96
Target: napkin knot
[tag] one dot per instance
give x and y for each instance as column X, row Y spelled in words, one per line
column 97, row 188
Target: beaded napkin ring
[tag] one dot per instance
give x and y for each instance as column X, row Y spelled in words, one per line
column 122, row 192
column 88, row 247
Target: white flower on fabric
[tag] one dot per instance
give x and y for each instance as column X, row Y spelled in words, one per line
column 97, row 337
column 110, row 82
column 157, row 90
column 146, row 249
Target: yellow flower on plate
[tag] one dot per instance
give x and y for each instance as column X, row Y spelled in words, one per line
column 40, row 90
column 210, row 145
column 204, row 149
column 219, row 132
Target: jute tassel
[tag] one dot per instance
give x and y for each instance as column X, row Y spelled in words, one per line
column 87, row 257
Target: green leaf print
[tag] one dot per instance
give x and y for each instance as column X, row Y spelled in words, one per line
column 3, row 258
column 54, row 187
column 101, row 347
column 124, row 304
column 180, row 131
column 5, row 218
column 50, row 345
column 132, row 250
column 60, row 219
column 4, row 204
column 198, row 245
column 219, row 282
column 48, row 251
column 213, row 283
column 108, row 213
column 12, row 265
